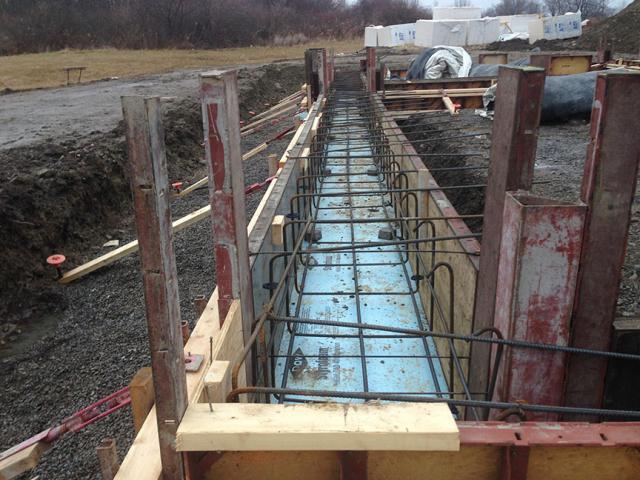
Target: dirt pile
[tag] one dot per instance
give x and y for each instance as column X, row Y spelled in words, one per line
column 62, row 197
column 621, row 31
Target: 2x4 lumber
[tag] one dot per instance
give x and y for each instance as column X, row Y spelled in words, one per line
column 129, row 248
column 452, row 92
column 451, row 108
column 149, row 184
column 217, row 382
column 219, row 93
column 608, row 189
column 345, row 426
column 142, row 396
column 512, row 159
column 277, row 230
column 22, row 461
column 204, row 181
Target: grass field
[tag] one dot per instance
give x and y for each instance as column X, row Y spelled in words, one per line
column 40, row 70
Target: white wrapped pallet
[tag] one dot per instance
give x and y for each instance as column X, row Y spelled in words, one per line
column 424, row 33
column 568, row 25
column 456, row 13
column 384, row 37
column 482, row 31
column 450, row 32
column 441, row 32
column 555, row 28
column 542, row 28
column 371, row 35
column 404, row 34
column 517, row 23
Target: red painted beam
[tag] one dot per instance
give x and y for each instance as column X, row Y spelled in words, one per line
column 226, row 191
column 150, row 187
column 537, row 273
column 551, row 434
column 608, row 188
column 371, row 69
column 513, row 151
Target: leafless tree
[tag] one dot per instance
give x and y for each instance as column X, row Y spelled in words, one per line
column 513, row 7
column 588, row 8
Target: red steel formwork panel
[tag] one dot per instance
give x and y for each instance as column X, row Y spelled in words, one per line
column 513, row 152
column 537, row 274
column 608, row 188
column 226, row 191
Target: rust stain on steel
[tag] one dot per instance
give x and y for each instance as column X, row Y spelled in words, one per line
column 536, row 282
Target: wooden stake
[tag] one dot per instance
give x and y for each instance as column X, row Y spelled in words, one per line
column 150, row 187
column 142, row 396
column 108, row 456
column 273, row 164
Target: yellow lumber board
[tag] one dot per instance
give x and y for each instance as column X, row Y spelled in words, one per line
column 22, row 461
column 129, row 248
column 337, row 426
column 142, row 396
column 277, row 227
column 142, row 461
column 449, row 104
column 217, row 382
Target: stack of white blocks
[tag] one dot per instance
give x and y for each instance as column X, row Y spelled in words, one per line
column 391, row 36
column 556, row 28
column 457, row 33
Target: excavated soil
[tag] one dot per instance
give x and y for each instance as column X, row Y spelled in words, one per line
column 77, row 343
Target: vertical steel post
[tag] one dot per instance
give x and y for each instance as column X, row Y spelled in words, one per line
column 371, row 69
column 150, row 187
column 513, row 151
column 608, row 189
column 536, row 282
column 221, row 120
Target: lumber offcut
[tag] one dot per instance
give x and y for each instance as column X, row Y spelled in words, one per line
column 369, row 426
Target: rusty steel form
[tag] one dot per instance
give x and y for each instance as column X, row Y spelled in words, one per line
column 513, row 151
column 226, row 190
column 608, row 189
column 150, row 186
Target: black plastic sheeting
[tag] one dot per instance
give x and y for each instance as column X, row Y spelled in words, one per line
column 565, row 96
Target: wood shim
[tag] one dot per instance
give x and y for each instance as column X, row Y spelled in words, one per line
column 337, row 426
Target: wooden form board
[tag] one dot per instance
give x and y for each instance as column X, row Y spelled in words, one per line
column 428, row 94
column 561, row 64
column 329, row 426
column 465, row 264
column 471, row 462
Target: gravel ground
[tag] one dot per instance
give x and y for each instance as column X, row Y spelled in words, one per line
column 93, row 347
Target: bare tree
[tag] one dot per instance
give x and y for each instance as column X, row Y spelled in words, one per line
column 588, row 8
column 513, row 7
